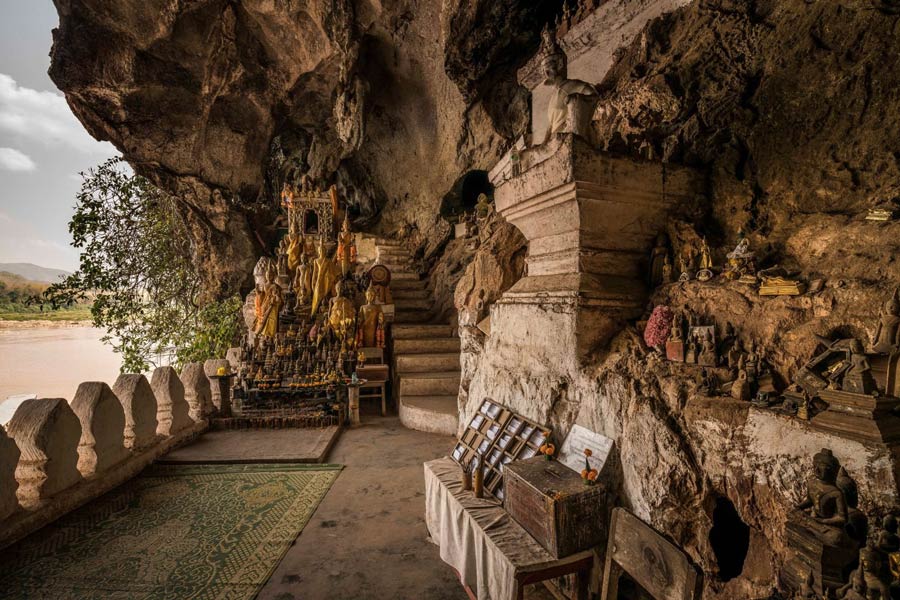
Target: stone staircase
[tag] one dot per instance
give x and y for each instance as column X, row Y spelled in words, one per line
column 426, row 366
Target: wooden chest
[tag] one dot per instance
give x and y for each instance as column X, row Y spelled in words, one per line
column 552, row 503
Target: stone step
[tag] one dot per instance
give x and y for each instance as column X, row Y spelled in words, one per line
column 410, row 294
column 404, row 276
column 392, row 251
column 411, row 304
column 426, row 345
column 429, row 384
column 412, row 316
column 418, row 332
column 426, row 363
column 408, row 284
column 385, row 243
column 434, row 414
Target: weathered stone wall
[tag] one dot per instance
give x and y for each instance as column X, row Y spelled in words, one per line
column 55, row 458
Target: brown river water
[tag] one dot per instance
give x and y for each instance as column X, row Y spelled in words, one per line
column 50, row 361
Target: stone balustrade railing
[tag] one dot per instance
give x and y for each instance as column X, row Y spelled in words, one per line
column 56, row 456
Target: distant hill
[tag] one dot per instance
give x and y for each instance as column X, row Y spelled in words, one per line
column 34, row 272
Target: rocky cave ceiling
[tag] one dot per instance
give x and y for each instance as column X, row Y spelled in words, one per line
column 791, row 104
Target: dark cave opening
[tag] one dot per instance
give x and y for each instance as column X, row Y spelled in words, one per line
column 463, row 196
column 629, row 589
column 729, row 538
column 310, row 222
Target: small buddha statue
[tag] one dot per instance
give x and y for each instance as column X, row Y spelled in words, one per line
column 294, row 249
column 740, row 389
column 259, row 271
column 659, row 257
column 858, row 379
column 482, row 207
column 705, row 265
column 370, row 324
column 271, row 306
column 825, row 502
column 324, row 276
column 667, row 271
column 303, row 281
column 341, row 310
column 887, row 333
column 346, row 248
column 564, row 91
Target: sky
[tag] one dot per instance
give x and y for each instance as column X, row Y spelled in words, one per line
column 43, row 147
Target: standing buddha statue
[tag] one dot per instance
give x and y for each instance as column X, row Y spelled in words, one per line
column 323, row 278
column 271, row 306
column 294, row 249
column 342, row 310
column 303, row 281
column 346, row 249
column 370, row 324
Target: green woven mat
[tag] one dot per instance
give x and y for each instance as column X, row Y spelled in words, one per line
column 176, row 531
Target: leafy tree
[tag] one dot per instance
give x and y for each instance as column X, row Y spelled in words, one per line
column 137, row 264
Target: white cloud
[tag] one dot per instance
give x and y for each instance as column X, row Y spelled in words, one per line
column 43, row 117
column 13, row 160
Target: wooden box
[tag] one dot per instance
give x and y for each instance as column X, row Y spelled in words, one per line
column 552, row 503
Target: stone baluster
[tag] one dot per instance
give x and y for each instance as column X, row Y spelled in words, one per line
column 47, row 433
column 9, row 458
column 136, row 397
column 210, row 368
column 197, row 391
column 233, row 356
column 172, row 410
column 102, row 428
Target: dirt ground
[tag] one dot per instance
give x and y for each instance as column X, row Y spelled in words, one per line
column 368, row 537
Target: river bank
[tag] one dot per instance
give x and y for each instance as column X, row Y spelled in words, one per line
column 51, row 358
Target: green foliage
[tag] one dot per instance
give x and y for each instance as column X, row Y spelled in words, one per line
column 136, row 261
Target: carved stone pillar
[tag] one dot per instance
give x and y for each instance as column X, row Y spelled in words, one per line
column 590, row 218
column 47, row 433
column 137, row 399
column 102, row 419
column 197, row 391
column 172, row 410
column 9, row 459
column 210, row 368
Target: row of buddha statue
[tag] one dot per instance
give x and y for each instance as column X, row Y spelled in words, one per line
column 309, row 330
column 695, row 262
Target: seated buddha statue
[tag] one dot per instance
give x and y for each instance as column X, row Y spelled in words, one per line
column 824, row 501
column 554, row 65
column 887, row 334
column 370, row 324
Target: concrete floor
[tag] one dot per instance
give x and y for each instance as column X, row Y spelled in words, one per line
column 257, row 445
column 368, row 537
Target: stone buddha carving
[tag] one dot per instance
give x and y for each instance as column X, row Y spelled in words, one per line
column 825, row 502
column 323, row 278
column 370, row 323
column 565, row 91
column 887, row 334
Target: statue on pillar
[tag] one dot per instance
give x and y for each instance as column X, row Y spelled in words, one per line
column 568, row 95
column 346, row 249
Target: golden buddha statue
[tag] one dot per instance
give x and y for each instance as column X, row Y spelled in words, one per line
column 323, row 278
column 346, row 249
column 267, row 320
column 342, row 311
column 370, row 324
column 303, row 281
column 294, row 249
